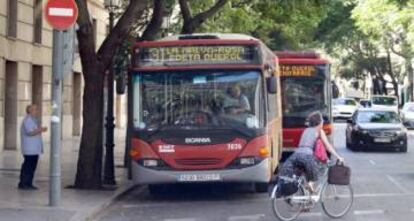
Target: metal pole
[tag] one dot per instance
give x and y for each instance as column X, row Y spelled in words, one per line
column 55, row 132
column 109, row 173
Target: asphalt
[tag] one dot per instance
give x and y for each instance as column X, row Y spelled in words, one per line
column 383, row 183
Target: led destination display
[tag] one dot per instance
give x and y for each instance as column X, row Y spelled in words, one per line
column 297, row 70
column 206, row 54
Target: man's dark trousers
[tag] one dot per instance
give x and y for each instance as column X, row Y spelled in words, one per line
column 28, row 169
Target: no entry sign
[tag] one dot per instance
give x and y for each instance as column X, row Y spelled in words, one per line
column 61, row 14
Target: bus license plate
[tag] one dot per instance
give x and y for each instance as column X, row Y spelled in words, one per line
column 382, row 140
column 198, row 177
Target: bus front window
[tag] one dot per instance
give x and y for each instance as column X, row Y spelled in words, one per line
column 303, row 95
column 192, row 100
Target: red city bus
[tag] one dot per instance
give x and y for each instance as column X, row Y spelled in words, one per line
column 306, row 87
column 204, row 108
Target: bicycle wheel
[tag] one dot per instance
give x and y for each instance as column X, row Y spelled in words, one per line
column 287, row 208
column 337, row 199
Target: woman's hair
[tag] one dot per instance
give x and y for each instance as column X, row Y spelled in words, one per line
column 314, row 119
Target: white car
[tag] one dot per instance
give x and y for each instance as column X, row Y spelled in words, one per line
column 384, row 102
column 344, row 108
column 407, row 114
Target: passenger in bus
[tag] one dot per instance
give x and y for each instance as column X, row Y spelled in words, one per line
column 303, row 157
column 238, row 102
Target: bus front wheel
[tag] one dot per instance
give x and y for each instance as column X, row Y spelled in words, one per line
column 157, row 189
column 261, row 187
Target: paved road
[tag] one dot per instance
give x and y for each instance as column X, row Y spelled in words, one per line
column 383, row 183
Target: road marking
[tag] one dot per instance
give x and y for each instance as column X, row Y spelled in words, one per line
column 311, row 214
column 373, row 162
column 368, row 212
column 398, row 185
column 182, row 219
column 412, row 210
column 64, row 12
column 373, row 195
column 246, row 218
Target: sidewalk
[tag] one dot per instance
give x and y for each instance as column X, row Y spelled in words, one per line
column 76, row 205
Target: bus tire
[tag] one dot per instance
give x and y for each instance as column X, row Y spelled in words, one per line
column 157, row 189
column 261, row 187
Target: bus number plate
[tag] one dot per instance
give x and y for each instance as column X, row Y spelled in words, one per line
column 198, row 177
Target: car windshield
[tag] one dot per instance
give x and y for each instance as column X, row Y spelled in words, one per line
column 389, row 101
column 303, row 95
column 378, row 117
column 345, row 102
column 196, row 100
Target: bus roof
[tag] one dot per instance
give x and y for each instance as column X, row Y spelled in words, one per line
column 300, row 57
column 227, row 36
column 204, row 38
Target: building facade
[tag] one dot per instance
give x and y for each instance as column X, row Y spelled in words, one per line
column 26, row 69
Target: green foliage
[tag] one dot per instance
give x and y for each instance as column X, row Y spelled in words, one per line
column 281, row 24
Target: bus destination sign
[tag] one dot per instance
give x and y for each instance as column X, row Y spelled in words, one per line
column 297, row 70
column 196, row 55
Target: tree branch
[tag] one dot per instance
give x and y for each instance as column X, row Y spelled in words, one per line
column 185, row 10
column 154, row 26
column 120, row 31
column 192, row 23
column 210, row 12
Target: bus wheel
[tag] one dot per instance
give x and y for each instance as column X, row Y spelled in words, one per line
column 261, row 187
column 157, row 189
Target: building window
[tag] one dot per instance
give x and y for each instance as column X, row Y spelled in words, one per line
column 12, row 18
column 37, row 32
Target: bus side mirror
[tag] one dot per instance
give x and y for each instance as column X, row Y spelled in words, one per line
column 272, row 85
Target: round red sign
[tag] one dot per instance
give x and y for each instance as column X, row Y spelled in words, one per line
column 61, row 14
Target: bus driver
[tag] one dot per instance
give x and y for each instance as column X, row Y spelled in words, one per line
column 237, row 102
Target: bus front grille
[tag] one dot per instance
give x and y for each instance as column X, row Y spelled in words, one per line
column 198, row 161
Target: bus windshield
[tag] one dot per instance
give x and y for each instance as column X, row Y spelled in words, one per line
column 303, row 95
column 197, row 100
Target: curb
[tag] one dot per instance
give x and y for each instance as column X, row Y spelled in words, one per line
column 94, row 212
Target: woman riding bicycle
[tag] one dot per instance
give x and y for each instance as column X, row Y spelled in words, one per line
column 303, row 157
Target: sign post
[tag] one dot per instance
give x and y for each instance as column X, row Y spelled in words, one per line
column 61, row 15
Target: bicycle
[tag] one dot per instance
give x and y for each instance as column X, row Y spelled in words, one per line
column 336, row 200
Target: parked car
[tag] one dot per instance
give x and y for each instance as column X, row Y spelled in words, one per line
column 407, row 114
column 365, row 103
column 370, row 128
column 385, row 102
column 344, row 108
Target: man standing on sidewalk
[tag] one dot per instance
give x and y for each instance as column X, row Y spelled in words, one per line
column 32, row 146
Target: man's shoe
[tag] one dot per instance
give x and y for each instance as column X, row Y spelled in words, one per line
column 33, row 187
column 21, row 187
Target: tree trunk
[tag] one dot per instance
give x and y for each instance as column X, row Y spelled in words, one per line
column 90, row 154
column 392, row 75
column 410, row 74
column 89, row 171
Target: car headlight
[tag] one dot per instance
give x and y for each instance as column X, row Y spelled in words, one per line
column 400, row 132
column 364, row 132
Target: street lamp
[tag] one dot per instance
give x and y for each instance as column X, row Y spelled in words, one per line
column 109, row 173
